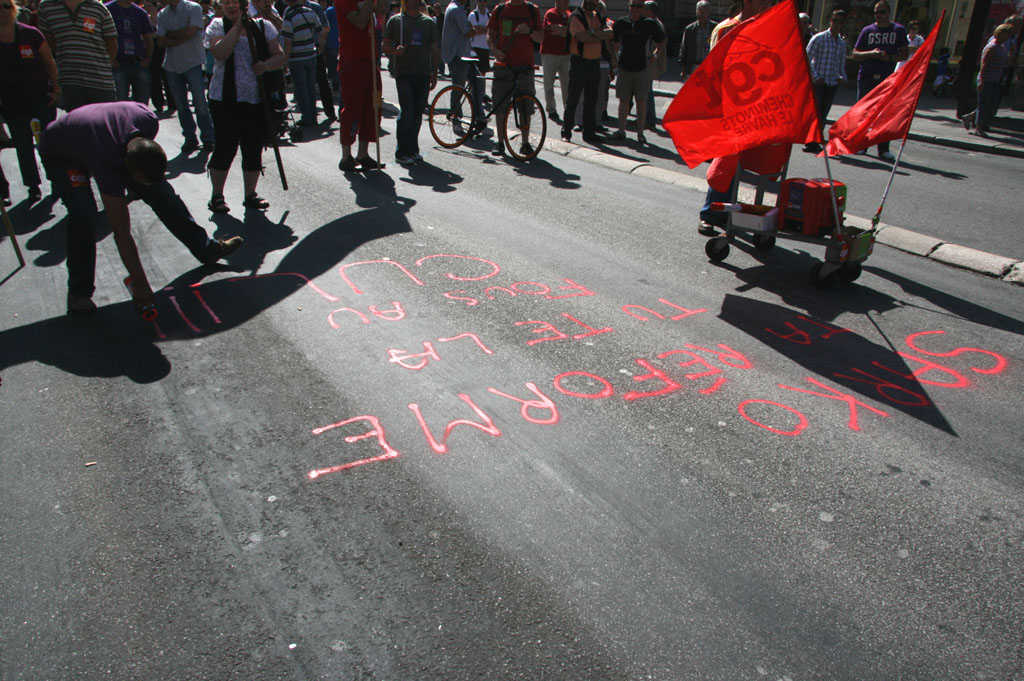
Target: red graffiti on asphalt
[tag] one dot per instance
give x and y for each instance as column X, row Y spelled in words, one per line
column 563, row 311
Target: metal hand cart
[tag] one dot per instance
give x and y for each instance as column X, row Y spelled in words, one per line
column 846, row 247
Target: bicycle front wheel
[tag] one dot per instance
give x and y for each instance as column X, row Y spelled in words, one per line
column 451, row 116
column 524, row 127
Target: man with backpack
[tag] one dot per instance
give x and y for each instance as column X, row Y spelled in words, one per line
column 514, row 27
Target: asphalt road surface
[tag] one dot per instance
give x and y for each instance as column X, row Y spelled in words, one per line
column 482, row 420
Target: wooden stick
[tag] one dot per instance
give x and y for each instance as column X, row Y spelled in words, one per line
column 374, row 70
column 264, row 96
column 10, row 233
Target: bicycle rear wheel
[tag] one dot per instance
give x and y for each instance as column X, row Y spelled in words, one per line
column 524, row 127
column 451, row 116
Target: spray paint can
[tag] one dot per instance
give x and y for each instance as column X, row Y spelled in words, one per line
column 37, row 129
column 149, row 312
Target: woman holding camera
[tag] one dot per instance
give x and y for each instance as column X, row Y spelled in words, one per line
column 239, row 118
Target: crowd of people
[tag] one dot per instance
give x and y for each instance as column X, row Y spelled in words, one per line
column 220, row 64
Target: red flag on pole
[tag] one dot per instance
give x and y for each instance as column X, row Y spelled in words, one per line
column 885, row 113
column 754, row 88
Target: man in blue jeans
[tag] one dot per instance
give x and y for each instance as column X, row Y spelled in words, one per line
column 134, row 50
column 455, row 42
column 113, row 144
column 411, row 40
column 301, row 31
column 179, row 29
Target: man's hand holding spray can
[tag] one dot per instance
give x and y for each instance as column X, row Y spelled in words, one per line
column 143, row 300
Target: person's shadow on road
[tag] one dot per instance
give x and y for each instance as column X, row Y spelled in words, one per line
column 426, row 174
column 540, row 169
column 115, row 342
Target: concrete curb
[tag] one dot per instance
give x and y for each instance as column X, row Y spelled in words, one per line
column 903, row 239
column 971, row 259
column 967, row 145
column 980, row 262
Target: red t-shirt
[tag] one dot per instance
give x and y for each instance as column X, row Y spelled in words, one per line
column 518, row 48
column 554, row 44
column 353, row 42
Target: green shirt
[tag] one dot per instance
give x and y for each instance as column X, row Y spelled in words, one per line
column 419, row 35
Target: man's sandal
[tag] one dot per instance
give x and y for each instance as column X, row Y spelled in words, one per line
column 217, row 204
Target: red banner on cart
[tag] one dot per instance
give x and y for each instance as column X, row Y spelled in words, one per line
column 885, row 113
column 754, row 88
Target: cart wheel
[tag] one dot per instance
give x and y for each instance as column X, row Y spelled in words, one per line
column 717, row 248
column 822, row 282
column 849, row 273
column 764, row 242
column 295, row 134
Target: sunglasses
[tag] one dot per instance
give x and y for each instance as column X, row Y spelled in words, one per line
column 881, row 11
column 6, row 5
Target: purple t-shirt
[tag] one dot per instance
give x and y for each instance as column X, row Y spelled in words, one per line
column 22, row 73
column 132, row 23
column 890, row 39
column 94, row 138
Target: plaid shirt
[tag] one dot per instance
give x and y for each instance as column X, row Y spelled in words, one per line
column 827, row 55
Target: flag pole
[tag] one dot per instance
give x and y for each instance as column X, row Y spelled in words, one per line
column 13, row 237
column 374, row 70
column 264, row 95
column 832, row 194
column 903, row 143
column 888, row 185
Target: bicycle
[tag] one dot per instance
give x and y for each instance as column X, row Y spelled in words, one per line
column 451, row 126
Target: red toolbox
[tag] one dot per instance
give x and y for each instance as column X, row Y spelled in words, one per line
column 805, row 205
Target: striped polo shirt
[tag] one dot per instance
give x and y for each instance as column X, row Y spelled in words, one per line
column 80, row 40
column 301, row 26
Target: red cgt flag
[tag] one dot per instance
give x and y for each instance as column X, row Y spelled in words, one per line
column 885, row 113
column 754, row 88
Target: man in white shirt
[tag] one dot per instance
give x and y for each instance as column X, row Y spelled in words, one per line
column 826, row 54
column 180, row 29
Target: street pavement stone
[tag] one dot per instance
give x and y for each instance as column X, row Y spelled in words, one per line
column 903, row 239
column 972, row 259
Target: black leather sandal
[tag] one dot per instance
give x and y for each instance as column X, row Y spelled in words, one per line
column 217, row 204
column 256, row 201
